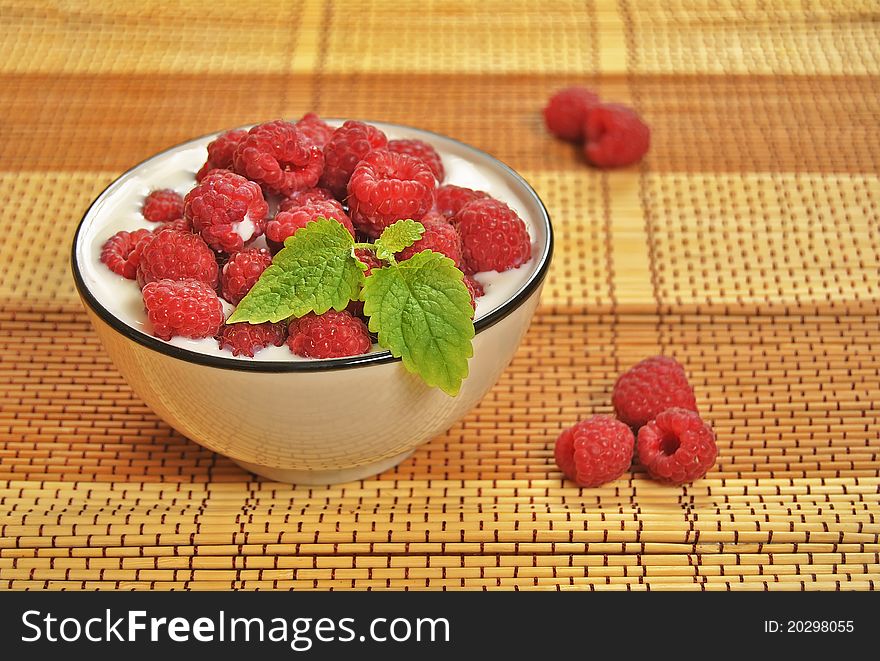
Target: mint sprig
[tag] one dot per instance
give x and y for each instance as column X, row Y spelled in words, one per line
column 419, row 308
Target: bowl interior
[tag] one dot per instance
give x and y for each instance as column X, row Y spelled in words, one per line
column 118, row 301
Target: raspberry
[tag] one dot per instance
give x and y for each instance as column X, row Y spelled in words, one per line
column 286, row 223
column 475, row 289
column 616, row 136
column 303, row 197
column 120, row 252
column 346, row 147
column 493, row 237
column 649, row 388
column 162, row 206
column 227, row 210
column 280, row 157
column 246, row 339
column 449, row 199
column 386, row 187
column 329, row 335
column 595, row 451
column 677, row 447
column 220, row 151
column 440, row 236
column 241, row 272
column 367, row 257
column 315, row 129
column 176, row 255
column 181, row 224
column 422, row 151
column 184, row 308
column 567, row 110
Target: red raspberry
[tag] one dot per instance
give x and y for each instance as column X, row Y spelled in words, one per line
column 246, row 339
column 286, row 223
column 346, row 147
column 162, row 206
column 241, row 272
column 616, row 136
column 175, row 255
column 595, row 451
column 422, row 151
column 329, row 335
column 440, row 236
column 493, row 237
column 567, row 110
column 315, row 129
column 677, row 447
column 475, row 289
column 386, row 187
column 649, row 388
column 303, row 197
column 184, row 308
column 280, row 157
column 449, row 199
column 367, row 257
column 220, row 151
column 227, row 210
column 120, row 253
column 181, row 224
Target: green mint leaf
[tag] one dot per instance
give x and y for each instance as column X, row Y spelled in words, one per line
column 315, row 271
column 422, row 312
column 396, row 237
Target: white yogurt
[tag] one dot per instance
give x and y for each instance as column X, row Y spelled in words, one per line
column 176, row 169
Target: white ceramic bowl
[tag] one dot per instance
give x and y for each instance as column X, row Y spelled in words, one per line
column 320, row 421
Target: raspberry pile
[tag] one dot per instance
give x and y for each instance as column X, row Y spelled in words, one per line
column 654, row 399
column 202, row 252
column 613, row 135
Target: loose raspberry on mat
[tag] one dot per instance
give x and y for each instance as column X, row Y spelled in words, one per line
column 246, row 339
column 220, row 152
column 650, row 387
column 120, row 253
column 329, row 335
column 595, row 451
column 493, row 237
column 566, row 112
column 386, row 187
column 677, row 447
column 315, row 129
column 241, row 272
column 286, row 223
column 346, row 147
column 306, row 196
column 175, row 255
column 227, row 210
column 422, row 151
column 280, row 157
column 162, row 206
column 183, row 308
column 450, row 199
column 440, row 236
column 615, row 136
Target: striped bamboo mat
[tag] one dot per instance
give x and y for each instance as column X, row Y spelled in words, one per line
column 747, row 245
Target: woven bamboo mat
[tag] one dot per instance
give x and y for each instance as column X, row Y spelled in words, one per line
column 747, row 245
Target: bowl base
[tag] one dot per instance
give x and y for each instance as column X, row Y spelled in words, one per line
column 316, row 477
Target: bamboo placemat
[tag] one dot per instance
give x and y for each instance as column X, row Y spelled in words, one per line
column 747, row 245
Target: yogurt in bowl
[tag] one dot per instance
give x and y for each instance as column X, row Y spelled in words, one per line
column 279, row 415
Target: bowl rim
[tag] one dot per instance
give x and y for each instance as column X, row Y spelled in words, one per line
column 327, row 364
